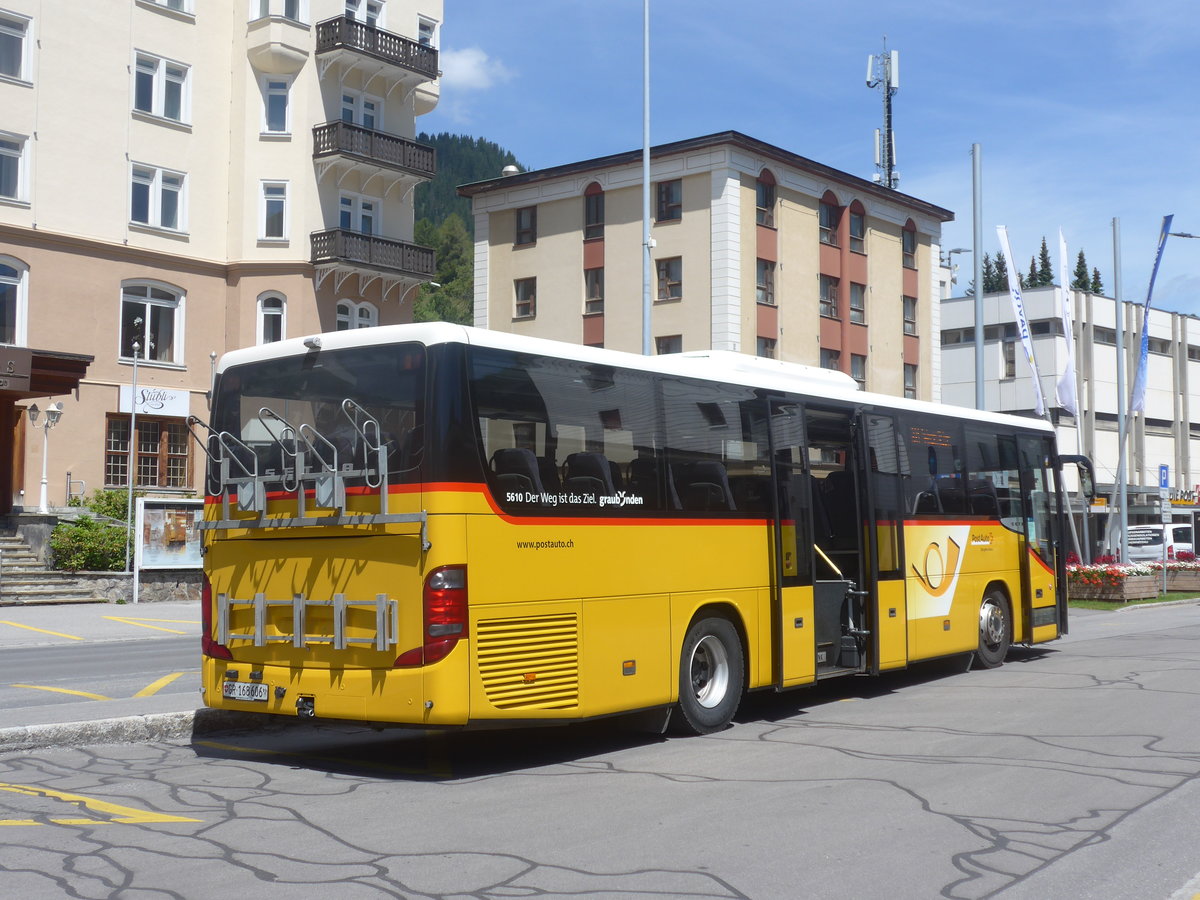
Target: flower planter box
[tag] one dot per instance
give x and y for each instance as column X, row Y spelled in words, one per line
column 1183, row 581
column 1132, row 587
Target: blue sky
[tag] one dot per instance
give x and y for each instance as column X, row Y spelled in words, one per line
column 1085, row 110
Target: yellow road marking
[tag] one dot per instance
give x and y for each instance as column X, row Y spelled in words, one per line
column 40, row 687
column 156, row 686
column 127, row 621
column 122, row 815
column 41, row 630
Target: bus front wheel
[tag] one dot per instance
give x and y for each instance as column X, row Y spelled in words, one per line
column 711, row 677
column 995, row 630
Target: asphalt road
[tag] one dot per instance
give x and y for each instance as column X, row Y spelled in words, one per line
column 1072, row 771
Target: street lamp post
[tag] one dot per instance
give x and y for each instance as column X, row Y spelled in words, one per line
column 53, row 414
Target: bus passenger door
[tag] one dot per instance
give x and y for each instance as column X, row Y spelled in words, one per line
column 1043, row 534
column 794, row 642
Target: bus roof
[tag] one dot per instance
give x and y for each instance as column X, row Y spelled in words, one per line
column 712, row 365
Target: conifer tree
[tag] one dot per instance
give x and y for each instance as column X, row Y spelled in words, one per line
column 1097, row 284
column 1081, row 282
column 1033, row 279
column 989, row 275
column 1045, row 271
column 1001, row 273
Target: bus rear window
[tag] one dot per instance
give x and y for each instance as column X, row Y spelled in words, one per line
column 350, row 398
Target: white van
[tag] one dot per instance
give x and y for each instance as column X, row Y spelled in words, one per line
column 1146, row 541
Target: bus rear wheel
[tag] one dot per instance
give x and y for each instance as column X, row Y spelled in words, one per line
column 995, row 630
column 711, row 677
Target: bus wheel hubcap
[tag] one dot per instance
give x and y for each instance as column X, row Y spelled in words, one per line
column 710, row 671
column 991, row 622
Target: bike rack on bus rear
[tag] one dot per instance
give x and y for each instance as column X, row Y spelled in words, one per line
column 387, row 621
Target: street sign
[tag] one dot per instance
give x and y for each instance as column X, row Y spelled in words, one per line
column 1164, row 477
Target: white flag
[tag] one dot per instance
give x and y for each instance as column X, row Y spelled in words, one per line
column 1014, row 291
column 1065, row 389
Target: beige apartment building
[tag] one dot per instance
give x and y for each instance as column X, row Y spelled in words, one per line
column 179, row 178
column 755, row 250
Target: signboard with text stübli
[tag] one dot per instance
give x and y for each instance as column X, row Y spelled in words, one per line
column 15, row 363
column 156, row 401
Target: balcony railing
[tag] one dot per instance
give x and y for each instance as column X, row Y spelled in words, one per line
column 344, row 33
column 334, row 138
column 342, row 247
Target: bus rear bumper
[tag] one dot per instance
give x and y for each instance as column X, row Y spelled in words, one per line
column 429, row 696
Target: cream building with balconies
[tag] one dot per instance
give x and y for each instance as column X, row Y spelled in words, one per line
column 179, row 178
column 756, row 250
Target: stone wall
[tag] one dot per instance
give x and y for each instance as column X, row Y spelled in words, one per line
column 154, row 585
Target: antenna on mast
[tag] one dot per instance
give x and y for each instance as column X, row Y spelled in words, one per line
column 883, row 71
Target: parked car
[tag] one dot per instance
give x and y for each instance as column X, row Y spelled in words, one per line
column 1146, row 541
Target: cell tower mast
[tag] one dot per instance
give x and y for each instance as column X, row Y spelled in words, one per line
column 883, row 71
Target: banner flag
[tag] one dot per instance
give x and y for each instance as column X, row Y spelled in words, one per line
column 1137, row 397
column 1065, row 389
column 1014, row 291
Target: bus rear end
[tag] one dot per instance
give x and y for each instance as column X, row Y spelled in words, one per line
column 330, row 590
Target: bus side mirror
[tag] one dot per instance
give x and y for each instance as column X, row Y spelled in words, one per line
column 1087, row 481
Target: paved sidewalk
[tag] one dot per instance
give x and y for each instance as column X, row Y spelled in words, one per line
column 161, row 716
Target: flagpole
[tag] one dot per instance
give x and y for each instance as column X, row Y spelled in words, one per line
column 647, row 243
column 1066, row 390
column 1122, row 492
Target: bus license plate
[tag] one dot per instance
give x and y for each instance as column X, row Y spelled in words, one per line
column 244, row 690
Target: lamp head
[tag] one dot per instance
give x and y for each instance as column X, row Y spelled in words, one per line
column 53, row 413
column 34, row 412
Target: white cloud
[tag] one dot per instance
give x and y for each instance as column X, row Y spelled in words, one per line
column 471, row 69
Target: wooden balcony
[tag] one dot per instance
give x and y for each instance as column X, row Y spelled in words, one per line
column 346, row 146
column 341, row 254
column 353, row 44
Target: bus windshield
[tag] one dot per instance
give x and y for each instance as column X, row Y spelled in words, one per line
column 343, row 402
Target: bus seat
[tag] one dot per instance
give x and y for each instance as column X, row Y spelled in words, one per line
column 516, row 470
column 983, row 499
column 589, row 472
column 707, row 487
column 644, row 481
column 951, row 494
column 751, row 493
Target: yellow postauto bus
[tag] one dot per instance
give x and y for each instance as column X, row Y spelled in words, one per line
column 439, row 526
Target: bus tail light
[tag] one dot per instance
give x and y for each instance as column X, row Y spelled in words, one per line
column 1170, row 551
column 444, row 603
column 208, row 645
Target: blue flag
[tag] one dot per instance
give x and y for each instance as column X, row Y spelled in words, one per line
column 1137, row 398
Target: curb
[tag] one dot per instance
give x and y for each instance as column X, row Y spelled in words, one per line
column 175, row 726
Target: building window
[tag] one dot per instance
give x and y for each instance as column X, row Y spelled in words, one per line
column 766, row 347
column 163, row 457
column 858, row 303
column 369, row 12
column 184, row 6
column 358, row 213
column 157, row 198
column 426, row 32
column 669, row 205
column 668, row 343
column 829, row 296
column 14, row 46
column 670, row 278
column 274, row 210
column 351, row 315
column 12, row 166
column 593, row 212
column 858, row 370
column 830, row 214
column 909, row 241
column 858, row 231
column 160, row 88
column 764, row 281
column 910, row 315
column 13, row 293
column 764, row 199
column 152, row 317
column 831, row 359
column 276, row 119
column 910, row 381
column 526, row 225
column 272, row 318
column 1010, row 359
column 362, row 109
column 593, row 290
column 525, row 298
